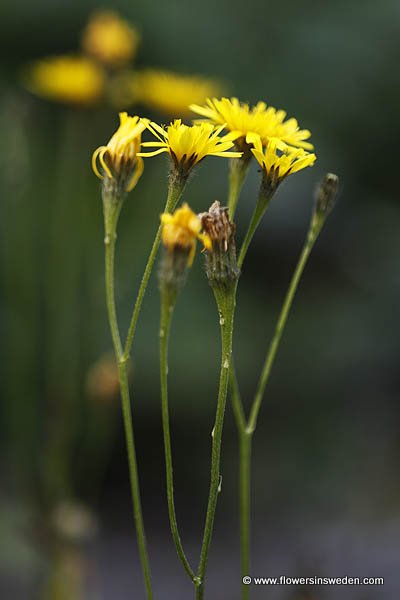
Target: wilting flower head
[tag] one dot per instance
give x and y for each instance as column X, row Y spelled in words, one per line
column 110, row 39
column 165, row 91
column 278, row 161
column 71, row 79
column 181, row 230
column 221, row 264
column 245, row 122
column 187, row 145
column 119, row 160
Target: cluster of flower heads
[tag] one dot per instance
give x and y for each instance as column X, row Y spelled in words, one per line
column 103, row 71
column 279, row 146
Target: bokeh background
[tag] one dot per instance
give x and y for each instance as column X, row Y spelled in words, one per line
column 326, row 451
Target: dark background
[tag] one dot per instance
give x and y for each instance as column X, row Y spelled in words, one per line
column 326, row 451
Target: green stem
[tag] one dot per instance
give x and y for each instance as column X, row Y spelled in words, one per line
column 258, row 213
column 226, row 299
column 111, row 214
column 167, row 306
column 280, row 326
column 175, row 190
column 245, row 442
column 238, row 169
column 237, row 404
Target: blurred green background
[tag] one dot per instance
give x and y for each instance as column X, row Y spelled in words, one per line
column 326, row 452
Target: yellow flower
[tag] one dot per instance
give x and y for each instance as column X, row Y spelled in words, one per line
column 244, row 122
column 277, row 163
column 72, row 79
column 181, row 230
column 110, row 39
column 119, row 159
column 167, row 92
column 188, row 145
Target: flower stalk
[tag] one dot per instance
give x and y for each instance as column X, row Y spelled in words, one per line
column 226, row 300
column 175, row 189
column 325, row 199
column 112, row 207
column 179, row 233
column 238, row 169
column 223, row 275
column 167, row 307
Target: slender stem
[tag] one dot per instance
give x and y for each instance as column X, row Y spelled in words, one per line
column 238, row 170
column 260, row 208
column 109, row 245
column 167, row 305
column 175, row 190
column 134, row 478
column 237, row 404
column 111, row 217
column 280, row 326
column 226, row 306
column 245, row 443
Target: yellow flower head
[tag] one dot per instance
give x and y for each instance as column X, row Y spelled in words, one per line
column 119, row 159
column 278, row 163
column 110, row 39
column 71, row 79
column 181, row 230
column 188, row 145
column 244, row 122
column 167, row 92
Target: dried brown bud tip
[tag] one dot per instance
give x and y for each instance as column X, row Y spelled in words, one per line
column 221, row 264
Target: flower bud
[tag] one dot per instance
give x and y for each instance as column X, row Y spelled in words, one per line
column 180, row 232
column 326, row 194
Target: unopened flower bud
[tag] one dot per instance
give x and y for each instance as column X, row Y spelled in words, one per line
column 221, row 264
column 326, row 194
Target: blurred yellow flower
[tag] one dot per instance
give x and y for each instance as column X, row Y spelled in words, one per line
column 243, row 121
column 110, row 39
column 277, row 164
column 119, row 159
column 181, row 230
column 188, row 145
column 165, row 91
column 70, row 79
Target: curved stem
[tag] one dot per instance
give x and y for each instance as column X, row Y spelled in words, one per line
column 111, row 218
column 167, row 306
column 226, row 306
column 280, row 326
column 175, row 189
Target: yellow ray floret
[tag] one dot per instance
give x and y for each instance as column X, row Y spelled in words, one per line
column 71, row 79
column 277, row 163
column 181, row 230
column 241, row 120
column 120, row 157
column 169, row 93
column 110, row 39
column 188, row 145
